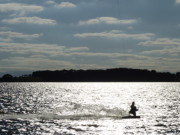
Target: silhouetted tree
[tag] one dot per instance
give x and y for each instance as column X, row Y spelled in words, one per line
column 178, row 76
column 108, row 75
column 7, row 78
column 116, row 74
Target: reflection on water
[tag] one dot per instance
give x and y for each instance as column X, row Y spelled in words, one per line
column 89, row 108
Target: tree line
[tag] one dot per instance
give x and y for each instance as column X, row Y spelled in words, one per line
column 107, row 75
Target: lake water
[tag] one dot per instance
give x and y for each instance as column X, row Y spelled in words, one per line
column 89, row 108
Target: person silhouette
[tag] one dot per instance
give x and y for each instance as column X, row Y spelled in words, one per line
column 133, row 109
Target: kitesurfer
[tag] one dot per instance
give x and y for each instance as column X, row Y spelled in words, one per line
column 133, row 109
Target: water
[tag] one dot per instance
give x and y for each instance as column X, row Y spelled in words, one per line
column 89, row 108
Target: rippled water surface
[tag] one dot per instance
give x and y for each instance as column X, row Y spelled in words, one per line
column 89, row 108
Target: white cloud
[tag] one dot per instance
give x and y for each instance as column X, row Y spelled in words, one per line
column 162, row 42
column 38, row 58
column 172, row 52
column 115, row 34
column 50, row 2
column 5, row 39
column 77, row 49
column 19, row 7
column 55, row 50
column 65, row 5
column 36, row 63
column 11, row 34
column 27, row 48
column 170, row 47
column 30, row 20
column 177, row 1
column 42, row 63
column 107, row 20
column 52, row 50
column 105, row 55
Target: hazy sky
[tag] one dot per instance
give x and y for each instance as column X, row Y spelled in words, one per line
column 89, row 34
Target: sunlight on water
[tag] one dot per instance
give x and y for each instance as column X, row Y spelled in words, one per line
column 89, row 108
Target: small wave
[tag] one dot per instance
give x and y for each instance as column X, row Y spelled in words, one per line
column 73, row 112
column 49, row 116
column 87, row 117
column 92, row 109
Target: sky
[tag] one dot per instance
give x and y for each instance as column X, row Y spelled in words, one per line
column 89, row 34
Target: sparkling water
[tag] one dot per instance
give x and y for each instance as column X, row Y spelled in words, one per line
column 89, row 108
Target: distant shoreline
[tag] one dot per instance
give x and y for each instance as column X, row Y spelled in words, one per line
column 99, row 75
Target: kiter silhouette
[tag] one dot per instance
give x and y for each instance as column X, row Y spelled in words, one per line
column 133, row 109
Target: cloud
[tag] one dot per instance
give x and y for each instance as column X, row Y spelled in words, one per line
column 65, row 5
column 5, row 40
column 104, row 55
column 20, row 7
column 115, row 34
column 27, row 48
column 151, row 63
column 50, row 2
column 42, row 63
column 107, row 20
column 169, row 47
column 77, row 49
column 177, row 1
column 172, row 52
column 36, row 63
column 162, row 42
column 30, row 20
column 52, row 50
column 41, row 57
column 11, row 34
